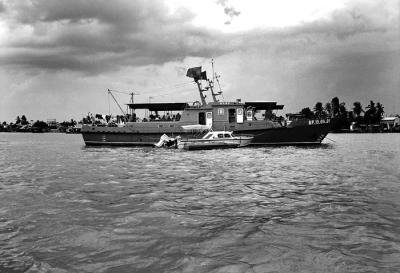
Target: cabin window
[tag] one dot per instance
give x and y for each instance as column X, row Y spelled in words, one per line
column 232, row 115
column 249, row 115
column 227, row 135
column 220, row 135
column 202, row 118
column 221, row 111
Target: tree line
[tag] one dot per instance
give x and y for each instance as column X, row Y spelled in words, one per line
column 22, row 124
column 341, row 117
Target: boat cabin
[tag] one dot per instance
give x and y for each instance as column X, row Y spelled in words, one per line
column 158, row 111
column 218, row 135
column 217, row 115
column 234, row 116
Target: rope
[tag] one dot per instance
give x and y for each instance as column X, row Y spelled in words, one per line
column 330, row 139
column 116, row 91
column 109, row 106
column 169, row 87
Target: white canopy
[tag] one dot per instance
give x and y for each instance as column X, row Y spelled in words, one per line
column 196, row 127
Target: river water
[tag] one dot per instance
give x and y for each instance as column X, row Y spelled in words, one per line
column 65, row 207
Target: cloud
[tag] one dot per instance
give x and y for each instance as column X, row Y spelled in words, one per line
column 99, row 36
column 354, row 53
column 2, row 7
column 228, row 10
column 96, row 36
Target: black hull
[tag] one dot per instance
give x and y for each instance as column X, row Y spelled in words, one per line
column 298, row 135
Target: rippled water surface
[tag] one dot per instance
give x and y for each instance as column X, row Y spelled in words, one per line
column 68, row 208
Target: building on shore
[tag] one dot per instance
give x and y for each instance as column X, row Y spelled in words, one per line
column 390, row 124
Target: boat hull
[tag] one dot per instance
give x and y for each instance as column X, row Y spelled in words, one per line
column 297, row 135
column 220, row 143
column 192, row 145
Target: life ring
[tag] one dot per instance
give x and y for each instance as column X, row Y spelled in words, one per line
column 196, row 103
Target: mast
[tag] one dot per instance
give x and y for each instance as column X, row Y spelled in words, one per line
column 197, row 75
column 212, row 65
column 211, row 86
column 211, row 83
column 202, row 97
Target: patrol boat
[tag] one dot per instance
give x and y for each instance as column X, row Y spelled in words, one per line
column 255, row 118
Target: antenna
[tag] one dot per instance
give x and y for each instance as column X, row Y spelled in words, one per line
column 215, row 77
column 132, row 94
column 147, row 112
column 109, row 105
column 212, row 65
column 219, row 86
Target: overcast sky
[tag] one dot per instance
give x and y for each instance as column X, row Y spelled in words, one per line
column 57, row 58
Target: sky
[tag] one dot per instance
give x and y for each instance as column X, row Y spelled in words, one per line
column 58, row 58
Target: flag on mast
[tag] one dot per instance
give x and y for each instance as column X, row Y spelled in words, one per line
column 194, row 72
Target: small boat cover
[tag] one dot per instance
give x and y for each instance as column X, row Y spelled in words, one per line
column 196, row 127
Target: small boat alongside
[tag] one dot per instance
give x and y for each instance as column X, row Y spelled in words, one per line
column 211, row 140
column 215, row 140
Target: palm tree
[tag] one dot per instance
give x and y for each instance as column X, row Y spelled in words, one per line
column 307, row 113
column 328, row 109
column 23, row 120
column 342, row 110
column 379, row 112
column 369, row 116
column 335, row 106
column 318, row 110
column 357, row 110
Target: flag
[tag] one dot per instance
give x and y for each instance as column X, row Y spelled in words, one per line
column 203, row 75
column 194, row 72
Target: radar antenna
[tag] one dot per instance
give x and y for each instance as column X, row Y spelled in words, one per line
column 132, row 101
